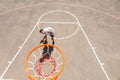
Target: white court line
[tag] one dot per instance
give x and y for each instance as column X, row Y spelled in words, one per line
column 20, row 48
column 66, row 37
column 93, row 49
column 34, row 29
column 84, row 6
column 58, row 22
column 7, row 79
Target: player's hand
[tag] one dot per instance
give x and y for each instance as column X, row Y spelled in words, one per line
column 41, row 41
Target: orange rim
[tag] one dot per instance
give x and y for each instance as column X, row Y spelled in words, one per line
column 54, row 77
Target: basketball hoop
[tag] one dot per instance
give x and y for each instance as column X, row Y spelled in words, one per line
column 44, row 67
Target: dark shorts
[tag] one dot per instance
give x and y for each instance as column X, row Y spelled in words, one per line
column 52, row 35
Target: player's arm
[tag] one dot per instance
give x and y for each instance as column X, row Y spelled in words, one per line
column 43, row 39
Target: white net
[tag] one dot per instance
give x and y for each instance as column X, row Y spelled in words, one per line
column 44, row 62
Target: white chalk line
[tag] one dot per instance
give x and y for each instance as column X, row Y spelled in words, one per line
column 58, row 22
column 32, row 32
column 87, row 7
column 93, row 49
column 61, row 38
column 20, row 48
column 7, row 79
column 66, row 37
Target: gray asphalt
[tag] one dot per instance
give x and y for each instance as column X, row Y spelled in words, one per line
column 99, row 19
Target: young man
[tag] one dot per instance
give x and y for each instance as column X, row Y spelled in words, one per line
column 48, row 31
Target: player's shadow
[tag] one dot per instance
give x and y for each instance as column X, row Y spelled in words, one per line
column 47, row 51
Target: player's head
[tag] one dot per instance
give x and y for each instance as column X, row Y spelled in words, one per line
column 41, row 31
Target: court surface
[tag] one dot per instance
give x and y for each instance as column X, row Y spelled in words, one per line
column 87, row 32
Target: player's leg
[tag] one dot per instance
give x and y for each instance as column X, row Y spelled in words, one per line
column 52, row 38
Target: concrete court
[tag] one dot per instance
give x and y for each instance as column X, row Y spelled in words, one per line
column 99, row 19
